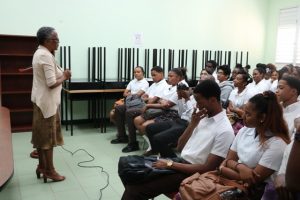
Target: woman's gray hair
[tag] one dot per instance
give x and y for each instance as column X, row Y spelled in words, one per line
column 44, row 33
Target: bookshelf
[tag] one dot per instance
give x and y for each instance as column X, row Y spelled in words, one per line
column 16, row 52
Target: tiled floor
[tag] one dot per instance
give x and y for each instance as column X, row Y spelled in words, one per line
column 80, row 183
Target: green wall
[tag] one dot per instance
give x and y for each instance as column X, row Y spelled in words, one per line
column 237, row 25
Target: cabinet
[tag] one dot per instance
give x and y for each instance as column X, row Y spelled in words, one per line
column 15, row 87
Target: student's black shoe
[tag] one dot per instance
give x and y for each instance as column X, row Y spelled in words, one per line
column 119, row 140
column 130, row 148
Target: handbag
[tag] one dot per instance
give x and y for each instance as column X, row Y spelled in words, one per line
column 134, row 101
column 152, row 113
column 135, row 169
column 208, row 186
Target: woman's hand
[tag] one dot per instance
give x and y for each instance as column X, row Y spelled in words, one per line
column 247, row 175
column 67, row 74
column 160, row 164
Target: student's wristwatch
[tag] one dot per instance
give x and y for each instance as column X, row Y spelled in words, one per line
column 169, row 163
column 297, row 136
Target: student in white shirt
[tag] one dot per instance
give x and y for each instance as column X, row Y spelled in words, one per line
column 259, row 84
column 274, row 80
column 204, row 145
column 162, row 134
column 167, row 102
column 150, row 96
column 238, row 98
column 137, row 87
column 287, row 92
column 257, row 150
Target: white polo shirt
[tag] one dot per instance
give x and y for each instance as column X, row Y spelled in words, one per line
column 263, row 85
column 285, row 158
column 186, row 108
column 274, row 85
column 136, row 85
column 213, row 135
column 251, row 152
column 239, row 99
column 157, row 88
column 290, row 113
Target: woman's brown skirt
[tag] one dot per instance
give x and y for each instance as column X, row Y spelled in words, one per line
column 46, row 132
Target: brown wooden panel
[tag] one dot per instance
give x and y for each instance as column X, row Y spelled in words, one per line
column 11, row 64
column 16, row 83
column 12, row 101
column 21, row 118
column 14, row 44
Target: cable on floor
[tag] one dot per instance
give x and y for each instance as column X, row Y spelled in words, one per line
column 79, row 164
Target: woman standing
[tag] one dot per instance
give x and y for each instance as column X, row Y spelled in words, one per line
column 46, row 95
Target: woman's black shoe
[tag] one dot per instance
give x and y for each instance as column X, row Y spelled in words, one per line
column 119, row 140
column 130, row 148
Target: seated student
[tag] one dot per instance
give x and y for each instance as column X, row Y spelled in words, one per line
column 237, row 69
column 137, row 86
column 184, row 77
column 204, row 145
column 287, row 93
column 238, row 98
column 162, row 134
column 124, row 115
column 226, row 86
column 274, row 80
column 257, row 150
column 211, row 67
column 204, row 75
column 293, row 166
column 296, row 72
column 167, row 102
column 259, row 84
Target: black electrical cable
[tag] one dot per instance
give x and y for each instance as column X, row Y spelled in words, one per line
column 79, row 164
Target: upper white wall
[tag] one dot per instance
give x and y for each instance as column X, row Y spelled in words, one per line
column 271, row 31
column 194, row 24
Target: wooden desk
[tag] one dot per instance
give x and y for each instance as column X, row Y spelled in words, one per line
column 98, row 96
column 6, row 153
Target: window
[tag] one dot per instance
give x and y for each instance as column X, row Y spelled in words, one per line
column 288, row 37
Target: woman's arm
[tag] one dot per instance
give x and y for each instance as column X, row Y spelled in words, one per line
column 232, row 169
column 66, row 75
column 126, row 93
